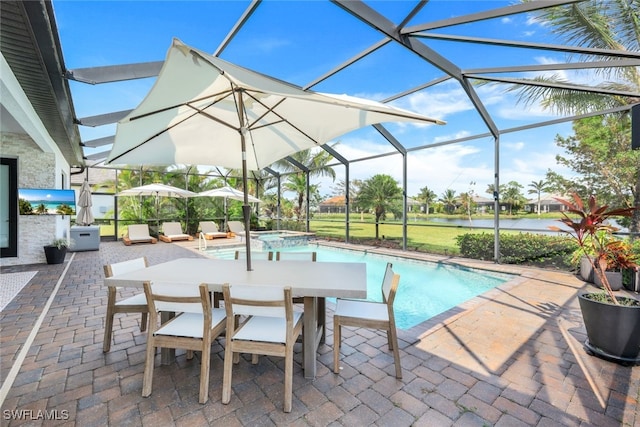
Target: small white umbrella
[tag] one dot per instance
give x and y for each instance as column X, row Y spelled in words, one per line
column 84, row 216
column 229, row 193
column 157, row 190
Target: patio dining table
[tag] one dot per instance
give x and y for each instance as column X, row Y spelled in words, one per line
column 308, row 279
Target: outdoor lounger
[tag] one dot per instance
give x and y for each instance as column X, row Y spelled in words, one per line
column 138, row 233
column 209, row 230
column 237, row 228
column 173, row 231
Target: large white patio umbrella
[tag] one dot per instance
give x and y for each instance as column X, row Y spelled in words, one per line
column 157, row 190
column 206, row 111
column 229, row 193
column 84, row 216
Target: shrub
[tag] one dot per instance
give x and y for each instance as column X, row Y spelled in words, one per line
column 522, row 248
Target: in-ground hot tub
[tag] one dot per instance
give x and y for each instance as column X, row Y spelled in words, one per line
column 281, row 238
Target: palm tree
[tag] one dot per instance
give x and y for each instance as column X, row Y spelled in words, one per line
column 448, row 198
column 612, row 24
column 512, row 196
column 297, row 183
column 427, row 196
column 380, row 193
column 316, row 161
column 538, row 187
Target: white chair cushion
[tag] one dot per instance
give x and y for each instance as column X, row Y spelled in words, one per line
column 216, row 234
column 138, row 232
column 190, row 324
column 139, row 299
column 362, row 309
column 184, row 290
column 127, row 266
column 209, row 227
column 177, row 236
column 172, row 228
column 266, row 329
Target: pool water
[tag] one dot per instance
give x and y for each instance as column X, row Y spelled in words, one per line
column 426, row 289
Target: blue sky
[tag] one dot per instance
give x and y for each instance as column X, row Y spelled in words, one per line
column 298, row 41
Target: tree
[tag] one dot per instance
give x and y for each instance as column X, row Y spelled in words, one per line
column 599, row 153
column 537, row 188
column 513, row 196
column 427, row 197
column 492, row 187
column 466, row 201
column 612, row 24
column 316, row 161
column 448, row 198
column 297, row 183
column 380, row 193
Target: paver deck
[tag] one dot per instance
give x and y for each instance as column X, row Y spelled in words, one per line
column 510, row 357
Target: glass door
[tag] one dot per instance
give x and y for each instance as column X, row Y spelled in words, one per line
column 8, row 207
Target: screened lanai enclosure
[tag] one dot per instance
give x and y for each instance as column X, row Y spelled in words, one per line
column 490, row 70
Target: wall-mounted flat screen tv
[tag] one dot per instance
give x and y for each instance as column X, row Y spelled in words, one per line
column 46, row 201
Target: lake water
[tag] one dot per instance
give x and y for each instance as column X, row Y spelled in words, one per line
column 526, row 224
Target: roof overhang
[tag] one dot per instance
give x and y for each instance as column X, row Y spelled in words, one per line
column 29, row 42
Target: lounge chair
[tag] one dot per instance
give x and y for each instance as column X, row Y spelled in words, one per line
column 237, row 228
column 173, row 231
column 138, row 233
column 209, row 230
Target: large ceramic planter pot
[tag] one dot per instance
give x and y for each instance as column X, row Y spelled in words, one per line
column 631, row 280
column 614, row 278
column 613, row 331
column 55, row 255
column 586, row 270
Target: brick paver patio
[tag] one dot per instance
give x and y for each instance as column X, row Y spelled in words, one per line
column 511, row 357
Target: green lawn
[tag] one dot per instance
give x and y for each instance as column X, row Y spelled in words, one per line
column 426, row 236
column 440, row 239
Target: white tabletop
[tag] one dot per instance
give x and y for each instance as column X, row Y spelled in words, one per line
column 306, row 278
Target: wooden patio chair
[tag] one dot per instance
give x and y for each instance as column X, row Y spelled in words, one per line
column 193, row 329
column 369, row 314
column 134, row 304
column 269, row 327
column 306, row 256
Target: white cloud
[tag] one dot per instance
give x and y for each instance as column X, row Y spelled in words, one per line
column 513, row 146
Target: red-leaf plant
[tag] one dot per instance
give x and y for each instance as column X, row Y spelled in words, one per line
column 590, row 232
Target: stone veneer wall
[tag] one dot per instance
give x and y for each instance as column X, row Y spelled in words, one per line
column 36, row 169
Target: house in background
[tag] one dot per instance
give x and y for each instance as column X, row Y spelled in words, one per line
column 39, row 141
column 334, row 204
column 548, row 203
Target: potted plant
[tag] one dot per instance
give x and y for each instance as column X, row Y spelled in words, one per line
column 612, row 323
column 56, row 251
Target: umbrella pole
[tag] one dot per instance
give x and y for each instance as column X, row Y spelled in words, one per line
column 246, row 209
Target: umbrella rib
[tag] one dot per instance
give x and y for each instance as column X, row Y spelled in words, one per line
column 222, row 96
column 209, row 116
column 167, row 129
column 282, row 119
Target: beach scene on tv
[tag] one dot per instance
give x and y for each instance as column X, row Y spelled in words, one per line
column 46, row 201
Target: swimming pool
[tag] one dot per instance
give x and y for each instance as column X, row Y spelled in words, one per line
column 426, row 288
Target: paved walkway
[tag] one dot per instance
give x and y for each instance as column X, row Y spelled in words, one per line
column 511, row 357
